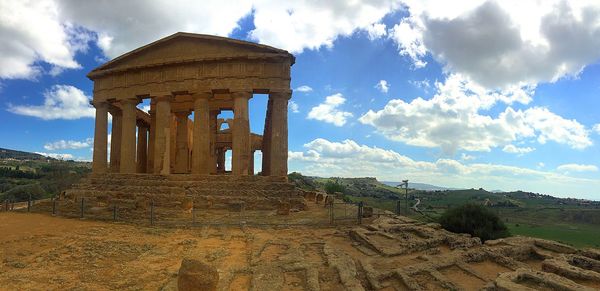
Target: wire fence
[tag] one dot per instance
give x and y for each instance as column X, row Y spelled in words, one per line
column 321, row 211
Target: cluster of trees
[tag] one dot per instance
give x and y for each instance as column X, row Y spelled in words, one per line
column 49, row 179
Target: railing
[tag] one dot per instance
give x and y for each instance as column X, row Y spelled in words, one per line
column 326, row 212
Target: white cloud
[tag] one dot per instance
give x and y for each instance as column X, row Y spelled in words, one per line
column 467, row 157
column 304, row 88
column 502, row 43
column 60, row 102
column 294, row 107
column 577, row 168
column 453, row 119
column 31, row 31
column 423, row 84
column 376, row 30
column 347, row 158
column 512, row 149
column 69, row 144
column 382, row 86
column 596, row 128
column 328, row 111
column 299, row 25
column 56, row 155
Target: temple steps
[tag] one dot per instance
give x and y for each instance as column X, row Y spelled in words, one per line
column 136, row 191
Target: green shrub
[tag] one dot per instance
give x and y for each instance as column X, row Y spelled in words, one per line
column 332, row 187
column 22, row 192
column 475, row 220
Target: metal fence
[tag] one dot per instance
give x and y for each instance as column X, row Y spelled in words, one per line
column 322, row 213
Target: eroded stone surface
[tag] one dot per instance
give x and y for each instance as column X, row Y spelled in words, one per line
column 386, row 253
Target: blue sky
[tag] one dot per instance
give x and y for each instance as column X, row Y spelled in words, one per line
column 473, row 94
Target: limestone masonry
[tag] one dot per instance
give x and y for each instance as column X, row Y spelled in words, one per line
column 183, row 74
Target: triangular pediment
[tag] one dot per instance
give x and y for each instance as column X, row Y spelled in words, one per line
column 181, row 47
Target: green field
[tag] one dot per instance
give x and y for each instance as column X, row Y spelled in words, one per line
column 578, row 235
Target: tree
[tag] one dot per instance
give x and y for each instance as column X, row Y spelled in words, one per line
column 22, row 192
column 332, row 187
column 475, row 220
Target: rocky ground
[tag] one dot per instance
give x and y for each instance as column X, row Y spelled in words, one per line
column 41, row 252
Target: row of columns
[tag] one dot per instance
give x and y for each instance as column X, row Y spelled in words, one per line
column 153, row 154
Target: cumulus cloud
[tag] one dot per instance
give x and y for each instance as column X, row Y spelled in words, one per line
column 453, row 119
column 348, row 158
column 60, row 102
column 69, row 144
column 577, row 168
column 328, row 111
column 512, row 149
column 56, row 155
column 382, row 86
column 31, row 31
column 502, row 43
column 304, row 89
column 299, row 25
column 294, row 107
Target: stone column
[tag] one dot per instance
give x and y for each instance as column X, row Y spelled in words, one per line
column 162, row 133
column 128, row 127
column 221, row 160
column 201, row 155
column 279, row 133
column 251, row 164
column 240, row 134
column 99, row 164
column 266, row 145
column 151, row 136
column 115, row 140
column 213, row 140
column 181, row 143
column 142, row 148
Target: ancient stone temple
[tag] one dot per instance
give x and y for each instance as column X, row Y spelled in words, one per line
column 184, row 74
column 189, row 79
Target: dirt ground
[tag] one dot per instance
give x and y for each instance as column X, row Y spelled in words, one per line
column 41, row 252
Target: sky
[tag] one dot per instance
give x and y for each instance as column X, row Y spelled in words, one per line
column 502, row 95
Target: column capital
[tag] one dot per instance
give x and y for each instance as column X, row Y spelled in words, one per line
column 182, row 113
column 100, row 104
column 241, row 94
column 162, row 96
column 287, row 94
column 134, row 101
column 201, row 95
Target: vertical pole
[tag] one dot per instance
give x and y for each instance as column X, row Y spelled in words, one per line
column 398, row 207
column 53, row 206
column 81, row 214
column 406, row 199
column 29, row 203
column 360, row 210
column 151, row 212
column 115, row 212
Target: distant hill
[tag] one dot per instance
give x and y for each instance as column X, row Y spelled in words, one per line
column 420, row 186
column 19, row 155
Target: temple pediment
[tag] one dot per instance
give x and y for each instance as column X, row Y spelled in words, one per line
column 187, row 47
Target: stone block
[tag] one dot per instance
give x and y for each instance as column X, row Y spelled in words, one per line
column 367, row 211
column 197, row 276
column 283, row 209
column 236, row 206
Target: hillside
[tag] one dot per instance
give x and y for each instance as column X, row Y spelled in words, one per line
column 573, row 221
column 19, row 155
column 23, row 174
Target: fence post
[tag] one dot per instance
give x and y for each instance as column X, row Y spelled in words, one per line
column 360, row 212
column 29, row 203
column 115, row 212
column 53, row 206
column 12, row 205
column 6, row 204
column 397, row 207
column 81, row 215
column 331, row 215
column 151, row 212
